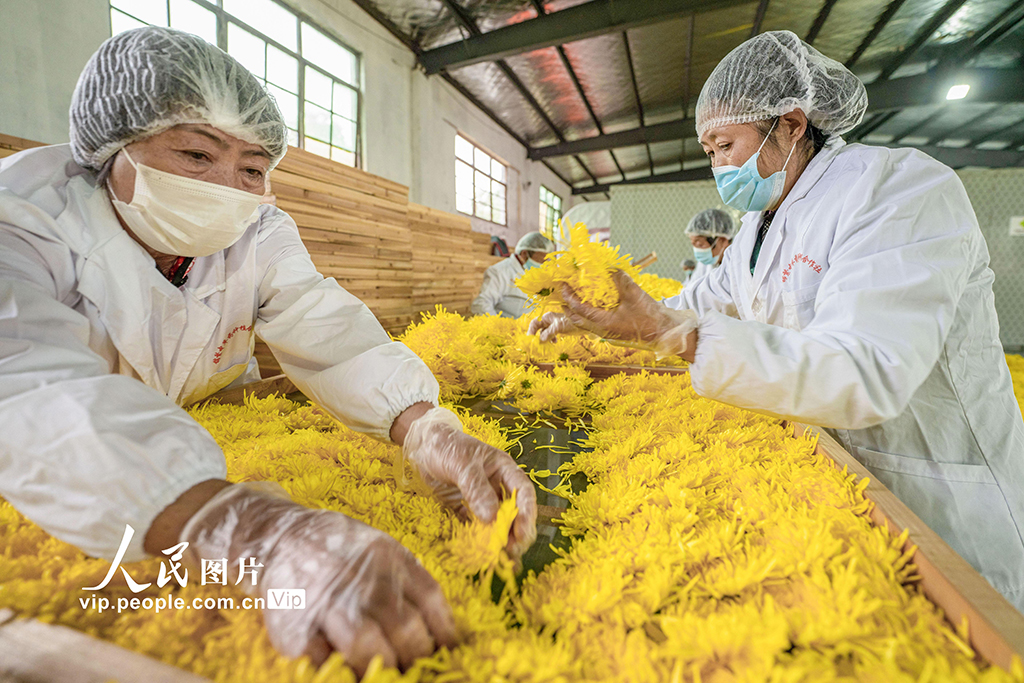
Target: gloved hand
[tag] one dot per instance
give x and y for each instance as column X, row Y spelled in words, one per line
column 365, row 593
column 467, row 474
column 550, row 325
column 637, row 318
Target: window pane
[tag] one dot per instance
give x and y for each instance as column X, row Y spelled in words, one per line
column 483, row 162
column 317, row 147
column 318, row 122
column 498, row 216
column 318, row 88
column 293, row 137
column 483, row 187
column 247, row 49
column 121, row 22
column 497, row 170
column 346, row 103
column 464, row 149
column 282, row 69
column 498, row 190
column 483, row 211
column 557, row 203
column 543, row 216
column 149, row 11
column 343, row 133
column 327, row 54
column 287, row 103
column 188, row 16
column 463, row 179
column 464, row 203
column 343, row 156
column 267, row 17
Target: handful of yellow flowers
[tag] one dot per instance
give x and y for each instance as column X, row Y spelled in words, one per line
column 587, row 268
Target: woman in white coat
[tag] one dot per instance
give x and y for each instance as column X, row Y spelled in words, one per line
column 136, row 267
column 857, row 297
column 710, row 233
column 499, row 294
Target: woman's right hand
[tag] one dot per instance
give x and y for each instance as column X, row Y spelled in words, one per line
column 366, row 595
column 636, row 318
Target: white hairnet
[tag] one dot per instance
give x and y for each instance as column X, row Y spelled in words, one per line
column 142, row 82
column 534, row 241
column 774, row 73
column 712, row 223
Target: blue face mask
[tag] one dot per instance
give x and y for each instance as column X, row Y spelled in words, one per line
column 704, row 256
column 743, row 188
column 530, row 263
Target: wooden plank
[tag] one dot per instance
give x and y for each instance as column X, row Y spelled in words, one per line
column 32, row 651
column 279, row 384
column 602, row 371
column 996, row 627
column 18, row 144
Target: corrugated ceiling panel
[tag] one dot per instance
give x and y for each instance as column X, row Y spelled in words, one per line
column 791, row 15
column 902, row 124
column 600, row 64
column 716, row 34
column 913, row 16
column 667, row 154
column 494, row 90
column 544, row 75
column 847, row 25
column 951, row 120
column 659, row 58
column 634, row 160
column 602, row 166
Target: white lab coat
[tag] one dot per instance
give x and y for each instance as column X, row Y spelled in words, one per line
column 870, row 312
column 98, row 350
column 700, row 271
column 498, row 293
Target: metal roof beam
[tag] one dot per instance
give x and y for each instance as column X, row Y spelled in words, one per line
column 987, row 86
column 594, row 18
column 702, row 173
column 660, row 132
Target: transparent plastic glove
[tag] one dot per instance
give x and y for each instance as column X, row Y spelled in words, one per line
column 467, row 474
column 550, row 325
column 637, row 318
column 366, row 595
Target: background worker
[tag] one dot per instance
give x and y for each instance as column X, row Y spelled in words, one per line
column 710, row 233
column 499, row 294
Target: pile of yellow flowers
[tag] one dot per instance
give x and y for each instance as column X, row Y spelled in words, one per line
column 494, row 358
column 708, row 544
column 587, row 267
column 1016, row 365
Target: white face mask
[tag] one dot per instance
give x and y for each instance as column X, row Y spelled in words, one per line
column 183, row 216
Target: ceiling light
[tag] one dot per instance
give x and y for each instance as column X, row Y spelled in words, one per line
column 958, row 92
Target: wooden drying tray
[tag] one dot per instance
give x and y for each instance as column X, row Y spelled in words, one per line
column 996, row 627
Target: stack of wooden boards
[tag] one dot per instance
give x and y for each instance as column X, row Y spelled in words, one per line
column 400, row 259
column 9, row 145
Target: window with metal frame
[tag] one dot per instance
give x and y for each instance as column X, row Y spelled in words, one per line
column 313, row 77
column 550, row 210
column 480, row 183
